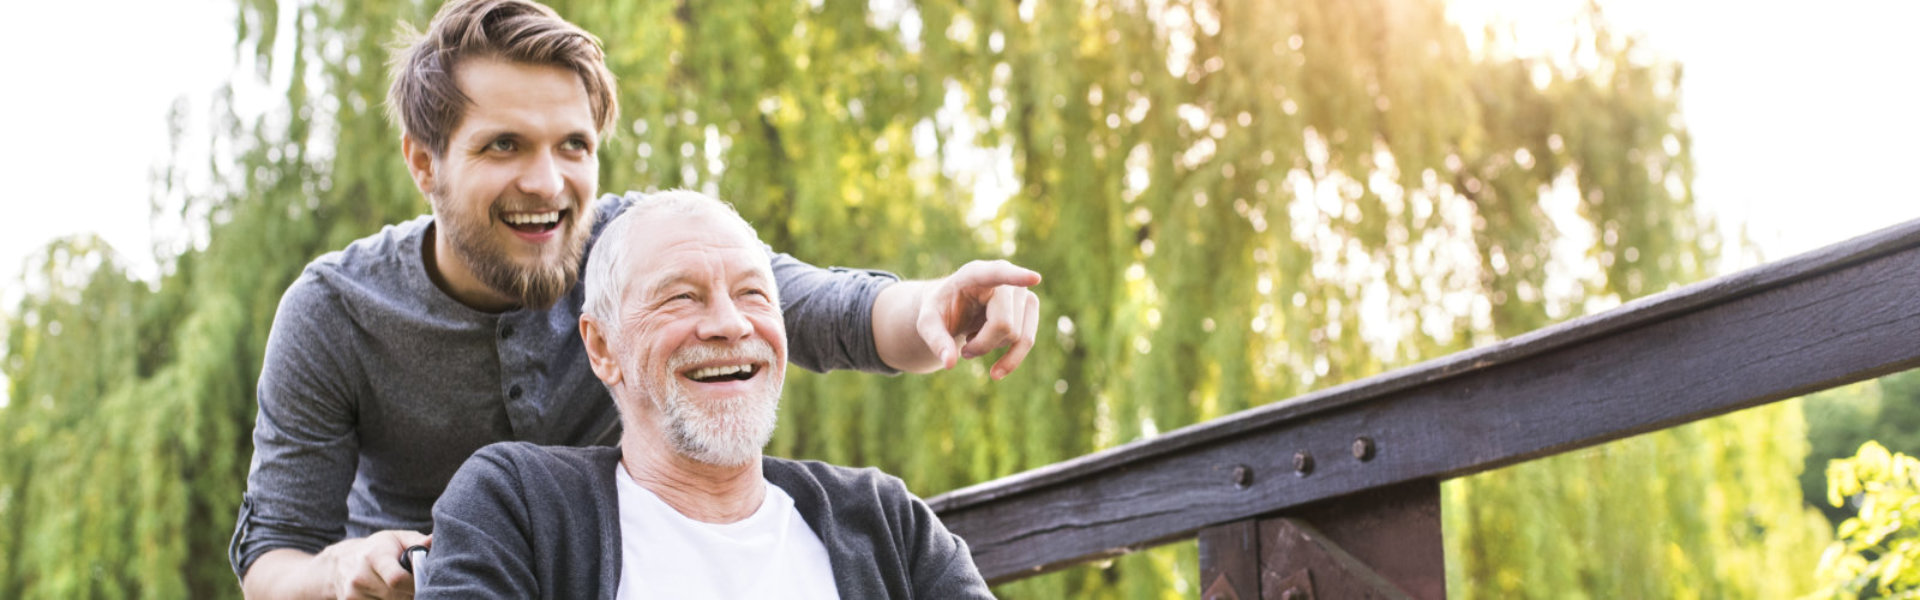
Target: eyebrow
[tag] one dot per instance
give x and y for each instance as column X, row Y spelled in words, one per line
column 677, row 276
column 672, row 278
column 488, row 135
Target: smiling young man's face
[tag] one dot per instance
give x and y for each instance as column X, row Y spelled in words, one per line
column 701, row 333
column 510, row 196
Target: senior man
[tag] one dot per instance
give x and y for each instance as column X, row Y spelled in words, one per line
column 683, row 325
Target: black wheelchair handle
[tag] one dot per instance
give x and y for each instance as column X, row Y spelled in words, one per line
column 411, row 557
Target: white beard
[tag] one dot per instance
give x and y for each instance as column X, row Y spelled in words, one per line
column 730, row 432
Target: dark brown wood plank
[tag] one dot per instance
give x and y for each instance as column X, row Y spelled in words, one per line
column 1394, row 530
column 1300, row 561
column 1842, row 314
column 1230, row 561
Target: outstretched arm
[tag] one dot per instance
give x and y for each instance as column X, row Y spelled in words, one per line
column 922, row 326
column 841, row 318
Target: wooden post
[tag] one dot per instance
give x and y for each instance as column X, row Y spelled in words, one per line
column 1230, row 561
column 1384, row 543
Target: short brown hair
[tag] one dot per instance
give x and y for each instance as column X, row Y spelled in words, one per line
column 427, row 104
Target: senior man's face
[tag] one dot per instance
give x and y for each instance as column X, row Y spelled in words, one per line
column 703, row 335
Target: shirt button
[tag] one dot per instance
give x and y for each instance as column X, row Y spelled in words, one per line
column 506, row 332
column 513, row 393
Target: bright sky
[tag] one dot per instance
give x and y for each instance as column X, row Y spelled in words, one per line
column 1802, row 113
column 88, row 116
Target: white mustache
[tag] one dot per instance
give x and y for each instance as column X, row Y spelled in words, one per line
column 752, row 350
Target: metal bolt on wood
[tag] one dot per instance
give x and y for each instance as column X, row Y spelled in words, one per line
column 1302, row 463
column 1363, row 448
column 1242, row 476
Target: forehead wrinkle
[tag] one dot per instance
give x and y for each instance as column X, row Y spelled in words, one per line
column 669, row 245
column 686, row 271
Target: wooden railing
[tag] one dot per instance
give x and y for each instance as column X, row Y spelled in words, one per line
column 1335, row 494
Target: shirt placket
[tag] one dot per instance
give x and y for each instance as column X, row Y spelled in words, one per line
column 518, row 378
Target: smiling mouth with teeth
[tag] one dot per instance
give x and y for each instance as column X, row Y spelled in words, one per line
column 723, row 373
column 531, row 222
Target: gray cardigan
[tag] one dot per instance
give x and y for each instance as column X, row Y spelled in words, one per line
column 527, row 521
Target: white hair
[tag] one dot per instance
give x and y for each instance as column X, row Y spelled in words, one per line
column 607, row 271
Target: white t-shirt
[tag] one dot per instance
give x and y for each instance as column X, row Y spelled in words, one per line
column 771, row 554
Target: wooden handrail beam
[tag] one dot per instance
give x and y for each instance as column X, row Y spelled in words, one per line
column 1837, row 315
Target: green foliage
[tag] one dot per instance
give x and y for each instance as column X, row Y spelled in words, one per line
column 1898, row 425
column 1877, row 553
column 1886, row 410
column 1705, row 510
column 1233, row 202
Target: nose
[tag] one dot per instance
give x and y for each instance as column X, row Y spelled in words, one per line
column 723, row 322
column 541, row 177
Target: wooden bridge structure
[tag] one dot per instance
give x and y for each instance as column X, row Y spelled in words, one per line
column 1336, row 494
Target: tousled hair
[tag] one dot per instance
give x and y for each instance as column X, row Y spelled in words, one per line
column 425, row 101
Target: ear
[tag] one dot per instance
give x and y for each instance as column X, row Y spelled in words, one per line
column 419, row 164
column 599, row 356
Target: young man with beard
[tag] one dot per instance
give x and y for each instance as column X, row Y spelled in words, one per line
column 391, row 361
column 683, row 325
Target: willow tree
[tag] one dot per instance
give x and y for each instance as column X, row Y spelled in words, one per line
column 1233, row 202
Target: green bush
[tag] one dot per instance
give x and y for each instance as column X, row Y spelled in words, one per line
column 1877, row 553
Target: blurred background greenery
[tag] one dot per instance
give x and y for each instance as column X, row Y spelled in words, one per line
column 1233, row 201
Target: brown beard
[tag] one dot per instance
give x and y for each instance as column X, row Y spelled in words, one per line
column 538, row 287
column 535, row 286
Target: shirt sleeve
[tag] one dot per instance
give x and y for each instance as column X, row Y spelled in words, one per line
column 829, row 315
column 829, row 312
column 481, row 524
column 304, row 447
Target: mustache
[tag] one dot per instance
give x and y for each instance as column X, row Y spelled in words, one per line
column 566, row 199
column 752, row 350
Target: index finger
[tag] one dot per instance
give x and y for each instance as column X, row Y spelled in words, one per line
column 413, row 538
column 992, row 274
